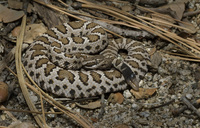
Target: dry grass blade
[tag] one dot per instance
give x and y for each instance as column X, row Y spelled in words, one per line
column 57, row 9
column 169, row 36
column 156, row 30
column 77, row 117
column 182, row 56
column 159, row 14
column 8, row 113
column 129, row 21
column 43, row 114
column 38, row 118
column 63, row 3
column 65, row 11
column 20, row 72
column 163, row 22
column 24, row 111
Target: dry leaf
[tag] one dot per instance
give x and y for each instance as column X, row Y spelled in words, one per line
column 121, row 126
column 94, row 119
column 9, row 15
column 188, row 25
column 18, row 5
column 116, row 98
column 143, row 92
column 3, row 92
column 32, row 31
column 91, row 105
column 176, row 9
column 164, row 21
column 18, row 124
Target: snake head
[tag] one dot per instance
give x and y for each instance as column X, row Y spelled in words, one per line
column 129, row 75
column 132, row 81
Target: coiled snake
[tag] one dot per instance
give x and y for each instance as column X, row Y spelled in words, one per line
column 63, row 61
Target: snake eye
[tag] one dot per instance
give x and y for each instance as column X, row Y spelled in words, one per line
column 132, row 76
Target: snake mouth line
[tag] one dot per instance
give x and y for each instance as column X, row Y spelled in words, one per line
column 130, row 77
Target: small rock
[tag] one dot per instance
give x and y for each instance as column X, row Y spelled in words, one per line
column 135, row 106
column 149, row 76
column 144, row 114
column 33, row 97
column 127, row 94
column 156, row 77
column 183, row 118
column 174, row 97
column 185, row 72
column 162, row 70
column 187, row 112
column 156, row 59
column 189, row 96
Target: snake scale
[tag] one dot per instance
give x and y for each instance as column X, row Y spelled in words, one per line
column 68, row 60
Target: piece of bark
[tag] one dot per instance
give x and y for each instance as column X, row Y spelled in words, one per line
column 124, row 32
column 51, row 18
column 154, row 3
column 191, row 106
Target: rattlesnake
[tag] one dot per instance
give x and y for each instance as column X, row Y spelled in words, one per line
column 58, row 61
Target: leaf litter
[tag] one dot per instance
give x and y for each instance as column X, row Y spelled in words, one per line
column 171, row 81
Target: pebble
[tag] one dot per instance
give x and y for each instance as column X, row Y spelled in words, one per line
column 144, row 114
column 162, row 70
column 156, row 77
column 174, row 97
column 187, row 112
column 183, row 118
column 135, row 106
column 127, row 94
column 149, row 76
column 156, row 59
column 189, row 96
column 174, row 79
column 185, row 72
column 33, row 97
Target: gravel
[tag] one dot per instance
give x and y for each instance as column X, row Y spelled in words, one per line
column 173, row 79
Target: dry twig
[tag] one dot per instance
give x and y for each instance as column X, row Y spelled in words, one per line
column 190, row 106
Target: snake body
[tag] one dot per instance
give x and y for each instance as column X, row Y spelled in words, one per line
column 55, row 61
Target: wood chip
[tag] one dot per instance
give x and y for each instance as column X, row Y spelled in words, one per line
column 143, row 92
column 91, row 105
column 32, row 31
column 3, row 92
column 9, row 15
column 116, row 98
